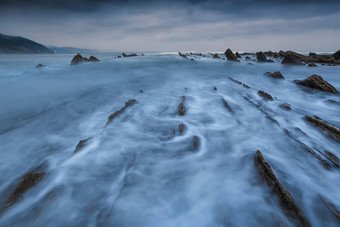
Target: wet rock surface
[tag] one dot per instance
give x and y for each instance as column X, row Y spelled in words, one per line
column 284, row 198
column 129, row 103
column 225, row 103
column 291, row 60
column 230, row 55
column 82, row 144
column 333, row 132
column 265, row 95
column 39, row 66
column 129, row 55
column 77, row 59
column 28, row 181
column 317, row 82
column 261, row 57
column 181, row 107
column 275, row 75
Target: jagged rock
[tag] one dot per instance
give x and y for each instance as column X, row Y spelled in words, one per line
column 238, row 55
column 276, row 75
column 39, row 66
column 285, row 106
column 336, row 55
column 235, row 81
column 225, row 103
column 265, row 95
column 317, row 82
column 333, row 132
column 216, row 56
column 181, row 108
column 129, row 55
column 230, row 55
column 82, row 144
column 196, row 142
column 261, row 57
column 290, row 59
column 182, row 55
column 285, row 200
column 312, row 65
column 77, row 59
column 181, row 128
column 248, row 58
column 215, row 89
column 28, row 181
column 130, row 102
column 94, row 59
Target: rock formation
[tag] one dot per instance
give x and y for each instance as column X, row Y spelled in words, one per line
column 317, row 82
column 276, row 75
column 230, row 55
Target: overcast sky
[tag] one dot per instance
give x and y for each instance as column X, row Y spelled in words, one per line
column 201, row 25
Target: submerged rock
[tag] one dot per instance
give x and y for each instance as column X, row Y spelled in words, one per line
column 265, row 95
column 39, row 66
column 285, row 106
column 130, row 102
column 28, row 181
column 248, row 58
column 181, row 128
column 129, row 55
column 215, row 89
column 196, row 143
column 82, row 144
column 285, row 200
column 225, row 103
column 317, row 82
column 332, row 132
column 230, row 55
column 312, row 65
column 182, row 55
column 276, row 75
column 181, row 107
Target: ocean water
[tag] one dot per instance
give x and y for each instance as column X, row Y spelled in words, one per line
column 136, row 171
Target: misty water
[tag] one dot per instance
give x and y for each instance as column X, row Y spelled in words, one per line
column 136, row 171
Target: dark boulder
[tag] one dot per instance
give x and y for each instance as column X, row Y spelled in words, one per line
column 39, row 66
column 285, row 106
column 77, row 59
column 265, row 95
column 317, row 82
column 94, row 59
column 238, row 55
column 276, row 75
column 230, row 55
column 261, row 57
column 181, row 107
column 215, row 89
column 312, row 65
column 313, row 55
column 290, row 59
column 248, row 58
column 336, row 55
column 182, row 55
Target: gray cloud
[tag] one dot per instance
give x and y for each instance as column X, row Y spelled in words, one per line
column 174, row 25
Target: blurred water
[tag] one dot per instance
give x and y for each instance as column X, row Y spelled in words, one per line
column 135, row 172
